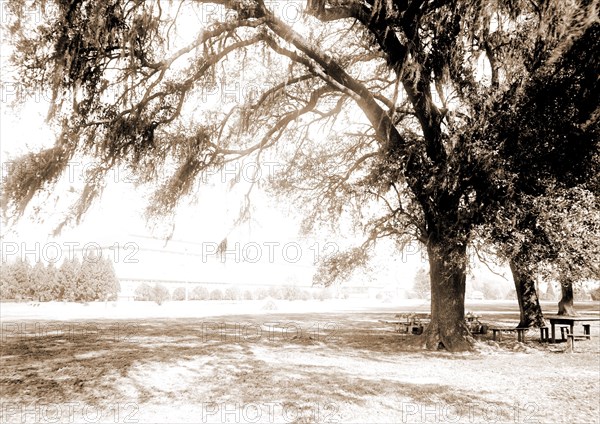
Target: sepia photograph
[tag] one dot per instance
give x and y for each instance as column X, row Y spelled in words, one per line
column 300, row 211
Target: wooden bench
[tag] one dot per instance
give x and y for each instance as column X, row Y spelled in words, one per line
column 572, row 337
column 586, row 331
column 570, row 322
column 564, row 331
column 497, row 332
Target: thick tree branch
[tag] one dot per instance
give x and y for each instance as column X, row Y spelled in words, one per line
column 386, row 132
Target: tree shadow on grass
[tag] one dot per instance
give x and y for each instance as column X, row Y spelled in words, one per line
column 224, row 359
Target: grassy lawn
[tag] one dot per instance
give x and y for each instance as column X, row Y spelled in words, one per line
column 278, row 368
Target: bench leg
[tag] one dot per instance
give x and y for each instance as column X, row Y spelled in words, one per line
column 570, row 343
column 544, row 334
column 564, row 330
column 586, row 331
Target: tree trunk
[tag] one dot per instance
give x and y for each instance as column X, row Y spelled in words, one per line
column 447, row 330
column 529, row 303
column 565, row 306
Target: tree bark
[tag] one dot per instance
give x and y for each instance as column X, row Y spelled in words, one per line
column 565, row 305
column 447, row 330
column 531, row 314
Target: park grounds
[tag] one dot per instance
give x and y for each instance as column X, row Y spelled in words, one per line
column 276, row 361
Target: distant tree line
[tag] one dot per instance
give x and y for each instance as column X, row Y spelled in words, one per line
column 93, row 278
column 159, row 293
column 492, row 291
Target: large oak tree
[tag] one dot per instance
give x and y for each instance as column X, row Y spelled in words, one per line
column 386, row 100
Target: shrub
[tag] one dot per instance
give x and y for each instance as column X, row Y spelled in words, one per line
column 216, row 294
column 248, row 295
column 595, row 294
column 178, row 294
column 291, row 293
column 143, row 292
column 231, row 293
column 199, row 293
column 160, row 294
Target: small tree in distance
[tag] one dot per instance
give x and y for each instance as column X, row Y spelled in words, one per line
column 143, row 292
column 160, row 294
column 178, row 294
column 38, row 288
column 200, row 293
column 52, row 282
column 67, row 280
column 22, row 273
column 8, row 282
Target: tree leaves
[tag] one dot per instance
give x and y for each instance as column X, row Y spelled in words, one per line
column 345, row 105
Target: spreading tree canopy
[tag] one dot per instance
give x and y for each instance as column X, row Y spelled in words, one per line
column 380, row 111
column 550, row 224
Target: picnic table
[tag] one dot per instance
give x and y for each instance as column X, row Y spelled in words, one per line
column 409, row 322
column 570, row 321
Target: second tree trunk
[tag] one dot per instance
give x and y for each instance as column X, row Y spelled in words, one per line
column 565, row 306
column 529, row 304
